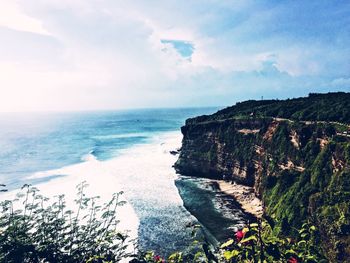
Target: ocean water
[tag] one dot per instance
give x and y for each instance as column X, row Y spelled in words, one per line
column 115, row 151
column 32, row 142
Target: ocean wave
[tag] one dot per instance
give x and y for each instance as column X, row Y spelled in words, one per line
column 122, row 136
column 144, row 172
column 89, row 157
column 101, row 180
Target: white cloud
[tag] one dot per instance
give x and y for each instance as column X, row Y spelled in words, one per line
column 11, row 16
column 100, row 54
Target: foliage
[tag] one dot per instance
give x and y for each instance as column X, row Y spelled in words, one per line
column 321, row 194
column 36, row 229
column 259, row 242
column 316, row 107
column 300, row 169
column 299, row 163
column 44, row 231
column 199, row 251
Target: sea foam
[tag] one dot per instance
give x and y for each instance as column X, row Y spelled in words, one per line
column 101, row 182
column 144, row 172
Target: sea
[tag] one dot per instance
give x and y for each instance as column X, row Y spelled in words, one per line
column 124, row 150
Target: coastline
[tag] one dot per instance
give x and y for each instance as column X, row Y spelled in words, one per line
column 154, row 212
column 219, row 213
column 155, row 201
column 146, row 175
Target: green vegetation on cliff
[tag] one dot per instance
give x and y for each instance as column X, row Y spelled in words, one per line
column 294, row 152
column 315, row 107
column 319, row 192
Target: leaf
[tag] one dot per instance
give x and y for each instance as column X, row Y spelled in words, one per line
column 311, row 257
column 291, row 251
column 176, row 255
column 302, row 230
column 121, row 236
column 198, row 255
column 304, row 225
column 230, row 254
column 254, row 225
column 227, row 243
column 303, row 235
column 248, row 239
column 245, row 230
column 302, row 242
column 312, row 228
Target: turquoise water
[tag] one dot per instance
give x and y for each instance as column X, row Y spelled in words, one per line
column 32, row 142
column 218, row 212
column 132, row 146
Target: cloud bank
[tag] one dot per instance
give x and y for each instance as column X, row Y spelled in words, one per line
column 106, row 54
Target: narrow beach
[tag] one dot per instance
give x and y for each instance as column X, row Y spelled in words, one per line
column 244, row 195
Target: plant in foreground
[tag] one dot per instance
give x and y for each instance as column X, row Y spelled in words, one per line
column 36, row 229
column 258, row 242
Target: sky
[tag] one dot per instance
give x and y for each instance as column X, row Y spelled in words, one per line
column 66, row 55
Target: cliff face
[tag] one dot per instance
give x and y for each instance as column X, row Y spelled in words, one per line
column 216, row 148
column 300, row 169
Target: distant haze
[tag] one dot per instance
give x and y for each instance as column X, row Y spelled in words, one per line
column 60, row 55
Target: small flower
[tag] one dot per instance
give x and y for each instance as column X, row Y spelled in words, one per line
column 292, row 260
column 158, row 259
column 239, row 235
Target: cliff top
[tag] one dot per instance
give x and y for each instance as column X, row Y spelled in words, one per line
column 316, row 107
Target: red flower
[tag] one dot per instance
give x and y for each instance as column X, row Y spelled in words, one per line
column 158, row 259
column 239, row 235
column 292, row 260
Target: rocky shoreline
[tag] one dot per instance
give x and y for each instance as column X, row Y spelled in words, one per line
column 216, row 208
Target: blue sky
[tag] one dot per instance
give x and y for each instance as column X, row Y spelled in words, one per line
column 107, row 54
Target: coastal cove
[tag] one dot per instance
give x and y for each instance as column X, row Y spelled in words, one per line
column 272, row 175
column 161, row 205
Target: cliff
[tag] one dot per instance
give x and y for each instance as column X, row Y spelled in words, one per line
column 295, row 153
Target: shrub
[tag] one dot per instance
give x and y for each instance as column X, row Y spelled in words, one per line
column 259, row 242
column 36, row 229
column 46, row 231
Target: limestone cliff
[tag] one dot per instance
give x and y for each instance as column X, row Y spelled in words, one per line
column 300, row 168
